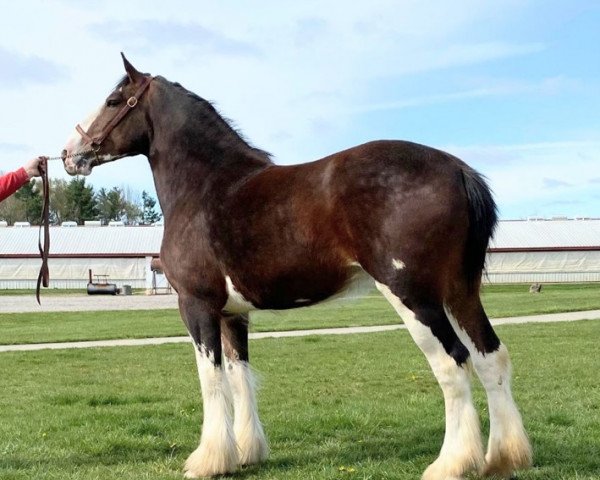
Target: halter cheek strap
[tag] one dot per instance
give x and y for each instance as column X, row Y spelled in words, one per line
column 96, row 141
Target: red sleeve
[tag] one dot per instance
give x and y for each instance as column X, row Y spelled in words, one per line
column 11, row 182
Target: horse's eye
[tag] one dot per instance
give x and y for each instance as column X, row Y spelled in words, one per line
column 113, row 102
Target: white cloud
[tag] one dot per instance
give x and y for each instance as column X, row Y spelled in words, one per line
column 147, row 36
column 494, row 88
column 538, row 178
column 289, row 74
column 19, row 69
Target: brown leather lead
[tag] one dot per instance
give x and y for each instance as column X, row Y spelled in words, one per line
column 44, row 275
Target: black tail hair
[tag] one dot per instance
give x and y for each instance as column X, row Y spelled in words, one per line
column 483, row 218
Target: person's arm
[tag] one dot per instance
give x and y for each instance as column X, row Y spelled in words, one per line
column 12, row 181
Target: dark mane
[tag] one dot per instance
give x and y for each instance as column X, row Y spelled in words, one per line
column 206, row 105
column 227, row 122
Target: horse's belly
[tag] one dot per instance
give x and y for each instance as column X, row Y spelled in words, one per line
column 293, row 290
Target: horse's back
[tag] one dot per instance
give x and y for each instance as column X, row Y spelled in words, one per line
column 298, row 228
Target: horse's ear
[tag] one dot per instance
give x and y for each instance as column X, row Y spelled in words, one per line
column 132, row 73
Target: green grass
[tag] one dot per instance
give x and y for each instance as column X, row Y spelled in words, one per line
column 350, row 407
column 45, row 291
column 73, row 326
column 515, row 300
column 500, row 301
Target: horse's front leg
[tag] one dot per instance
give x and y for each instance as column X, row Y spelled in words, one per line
column 249, row 433
column 217, row 453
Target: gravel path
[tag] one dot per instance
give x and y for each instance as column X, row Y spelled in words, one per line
column 554, row 317
column 84, row 302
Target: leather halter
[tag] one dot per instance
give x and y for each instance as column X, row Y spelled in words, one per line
column 97, row 140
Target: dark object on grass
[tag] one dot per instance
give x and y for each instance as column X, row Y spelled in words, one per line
column 535, row 288
column 101, row 285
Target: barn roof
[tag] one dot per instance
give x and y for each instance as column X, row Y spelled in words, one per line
column 547, row 235
column 143, row 241
column 83, row 241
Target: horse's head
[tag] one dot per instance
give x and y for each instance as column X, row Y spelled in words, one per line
column 117, row 129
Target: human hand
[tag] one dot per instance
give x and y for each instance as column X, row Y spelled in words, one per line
column 32, row 167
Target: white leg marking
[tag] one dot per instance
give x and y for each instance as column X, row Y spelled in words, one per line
column 249, row 434
column 398, row 264
column 508, row 446
column 462, row 450
column 217, row 452
column 236, row 303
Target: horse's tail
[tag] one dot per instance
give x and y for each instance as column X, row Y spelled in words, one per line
column 483, row 217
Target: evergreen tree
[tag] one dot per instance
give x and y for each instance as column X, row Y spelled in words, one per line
column 110, row 204
column 149, row 214
column 80, row 201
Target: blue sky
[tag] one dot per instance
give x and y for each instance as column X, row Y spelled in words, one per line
column 511, row 87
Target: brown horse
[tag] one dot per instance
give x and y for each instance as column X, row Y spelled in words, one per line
column 242, row 233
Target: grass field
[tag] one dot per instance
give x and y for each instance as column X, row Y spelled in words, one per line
column 350, row 407
column 500, row 301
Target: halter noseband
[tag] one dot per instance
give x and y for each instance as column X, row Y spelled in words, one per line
column 96, row 141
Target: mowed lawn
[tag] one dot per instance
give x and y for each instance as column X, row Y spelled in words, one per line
column 499, row 300
column 334, row 407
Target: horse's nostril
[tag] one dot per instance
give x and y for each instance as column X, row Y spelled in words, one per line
column 63, row 155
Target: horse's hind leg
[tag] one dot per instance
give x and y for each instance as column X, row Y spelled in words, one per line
column 217, row 452
column 426, row 321
column 249, row 434
column 508, row 445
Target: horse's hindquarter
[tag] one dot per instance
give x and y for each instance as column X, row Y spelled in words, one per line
column 399, row 201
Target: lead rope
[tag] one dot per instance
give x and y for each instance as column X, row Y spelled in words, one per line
column 44, row 275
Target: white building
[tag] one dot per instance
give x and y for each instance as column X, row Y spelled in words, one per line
column 521, row 252
column 122, row 253
column 545, row 251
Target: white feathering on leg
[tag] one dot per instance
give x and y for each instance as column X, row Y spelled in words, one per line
column 249, row 433
column 217, row 453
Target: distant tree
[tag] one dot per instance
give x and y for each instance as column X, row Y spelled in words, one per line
column 149, row 214
column 29, row 195
column 110, row 204
column 12, row 210
column 75, row 200
column 58, row 200
column 80, row 201
column 133, row 213
column 133, row 206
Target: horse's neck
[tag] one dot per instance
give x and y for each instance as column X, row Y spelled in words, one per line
column 201, row 154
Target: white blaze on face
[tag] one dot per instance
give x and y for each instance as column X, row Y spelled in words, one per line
column 75, row 143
